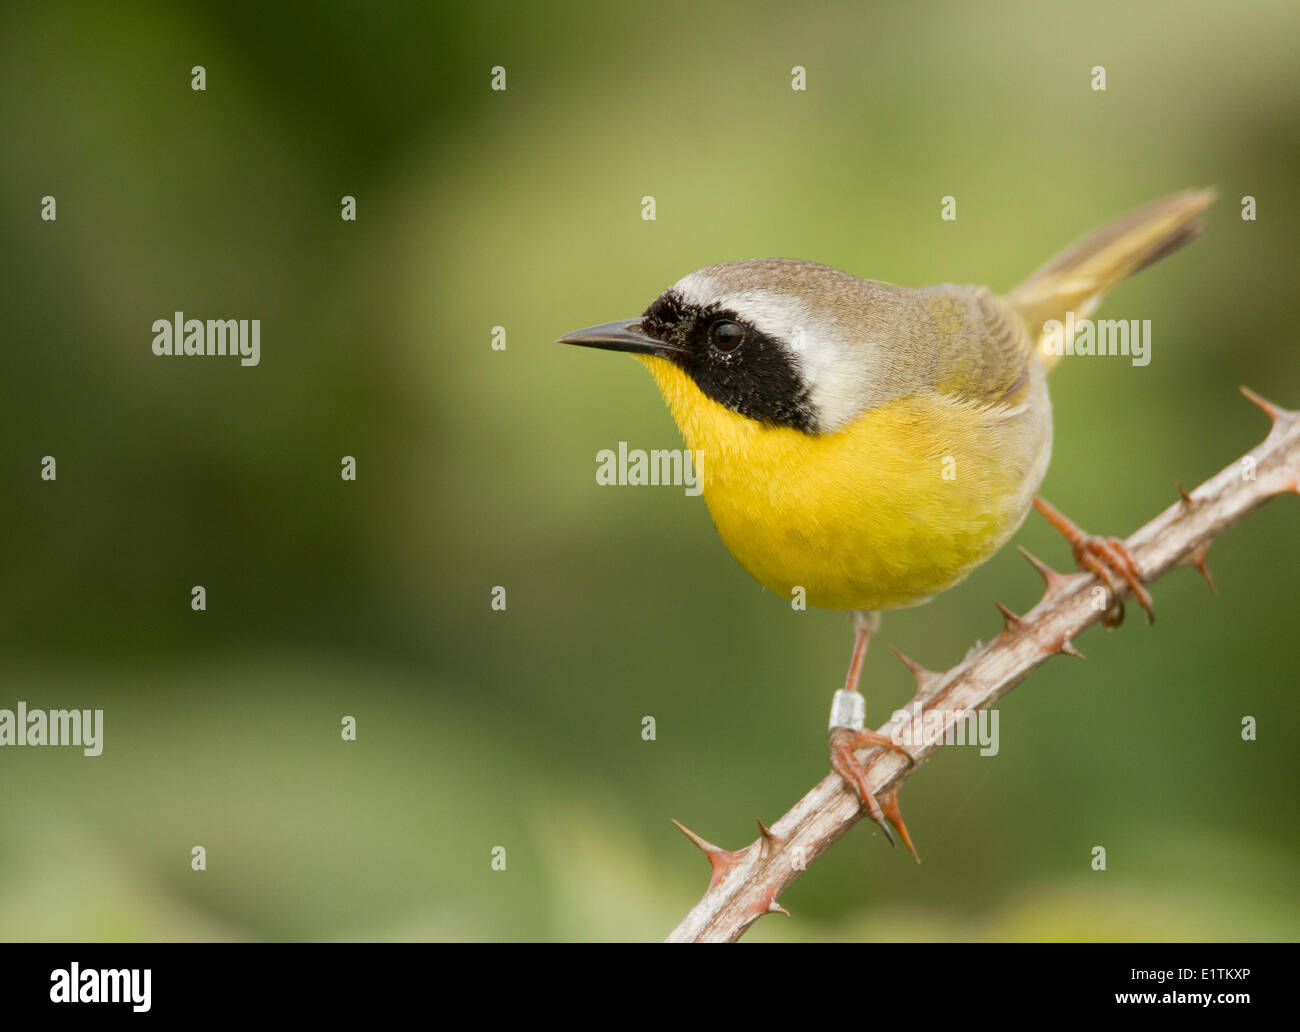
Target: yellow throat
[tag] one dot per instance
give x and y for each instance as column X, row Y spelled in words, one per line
column 885, row 513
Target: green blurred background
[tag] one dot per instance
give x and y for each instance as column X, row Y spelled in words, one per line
column 476, row 467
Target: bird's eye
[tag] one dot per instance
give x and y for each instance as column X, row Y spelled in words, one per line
column 727, row 336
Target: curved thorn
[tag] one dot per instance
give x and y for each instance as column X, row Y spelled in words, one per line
column 889, row 804
column 1188, row 500
column 769, row 840
column 1054, row 579
column 721, row 861
column 1013, row 622
column 924, row 678
column 1273, row 412
column 766, row 904
column 1196, row 560
column 1067, row 648
column 705, row 846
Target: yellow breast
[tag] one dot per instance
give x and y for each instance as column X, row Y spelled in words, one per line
column 882, row 514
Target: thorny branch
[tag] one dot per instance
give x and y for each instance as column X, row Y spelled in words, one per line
column 746, row 882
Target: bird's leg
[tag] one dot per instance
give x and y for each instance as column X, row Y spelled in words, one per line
column 1105, row 557
column 847, row 735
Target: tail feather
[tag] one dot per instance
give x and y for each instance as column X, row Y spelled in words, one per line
column 1075, row 280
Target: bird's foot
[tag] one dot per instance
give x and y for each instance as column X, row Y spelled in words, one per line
column 1107, row 558
column 844, row 743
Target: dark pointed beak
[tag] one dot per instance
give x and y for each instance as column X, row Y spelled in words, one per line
column 624, row 335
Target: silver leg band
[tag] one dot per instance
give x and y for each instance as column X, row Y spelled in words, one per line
column 848, row 709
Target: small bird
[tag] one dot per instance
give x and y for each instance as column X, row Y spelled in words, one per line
column 870, row 444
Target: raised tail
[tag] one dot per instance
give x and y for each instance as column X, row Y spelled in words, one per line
column 1075, row 280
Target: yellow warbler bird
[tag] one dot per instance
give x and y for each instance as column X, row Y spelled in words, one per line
column 872, row 444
